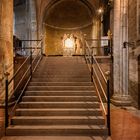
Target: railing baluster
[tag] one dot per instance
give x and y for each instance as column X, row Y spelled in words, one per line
column 6, row 100
column 91, row 68
column 108, row 102
column 31, row 62
column 42, row 47
column 108, row 108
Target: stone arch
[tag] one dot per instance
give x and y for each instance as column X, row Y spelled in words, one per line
column 60, row 19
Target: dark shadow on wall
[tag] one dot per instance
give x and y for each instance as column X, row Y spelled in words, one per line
column 139, row 82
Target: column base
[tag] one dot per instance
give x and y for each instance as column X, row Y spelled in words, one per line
column 121, row 100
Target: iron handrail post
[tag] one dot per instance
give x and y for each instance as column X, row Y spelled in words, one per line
column 108, row 103
column 139, row 80
column 91, row 65
column 85, row 50
column 6, row 100
column 31, row 62
column 41, row 47
column 85, row 54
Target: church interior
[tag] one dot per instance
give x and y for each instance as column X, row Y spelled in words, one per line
column 69, row 69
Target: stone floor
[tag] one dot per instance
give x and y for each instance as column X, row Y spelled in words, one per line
column 54, row 138
column 125, row 125
column 1, row 122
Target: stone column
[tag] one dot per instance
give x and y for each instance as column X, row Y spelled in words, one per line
column 32, row 20
column 120, row 35
column 95, row 34
column 6, row 43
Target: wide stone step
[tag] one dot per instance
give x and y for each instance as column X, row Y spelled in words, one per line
column 63, row 68
column 61, row 80
column 59, row 98
column 63, row 62
column 59, row 105
column 60, row 93
column 61, row 84
column 61, row 72
column 58, row 112
column 60, row 76
column 64, row 58
column 57, row 130
column 59, row 88
column 57, row 120
column 65, row 65
column 70, row 68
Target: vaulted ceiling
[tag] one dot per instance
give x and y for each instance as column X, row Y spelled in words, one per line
column 67, row 13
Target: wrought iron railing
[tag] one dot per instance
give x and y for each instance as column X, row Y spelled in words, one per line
column 100, row 80
column 24, row 75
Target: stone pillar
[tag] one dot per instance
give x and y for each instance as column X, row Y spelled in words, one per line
column 32, row 20
column 120, row 35
column 6, row 43
column 95, row 35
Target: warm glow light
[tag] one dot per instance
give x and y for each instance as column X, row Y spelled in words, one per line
column 69, row 43
column 100, row 11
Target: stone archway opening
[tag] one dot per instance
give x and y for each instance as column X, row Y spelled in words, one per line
column 66, row 17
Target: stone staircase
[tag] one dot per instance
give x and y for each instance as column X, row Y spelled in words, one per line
column 60, row 100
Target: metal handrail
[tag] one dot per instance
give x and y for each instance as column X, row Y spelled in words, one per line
column 103, row 91
column 29, row 68
column 100, row 69
column 17, row 101
column 28, row 48
column 100, row 98
column 38, row 40
column 106, row 93
column 18, row 70
column 98, row 66
column 26, row 83
column 87, row 46
column 96, row 72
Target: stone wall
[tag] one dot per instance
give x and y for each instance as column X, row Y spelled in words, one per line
column 25, row 24
column 20, row 21
column 134, row 51
column 54, row 39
